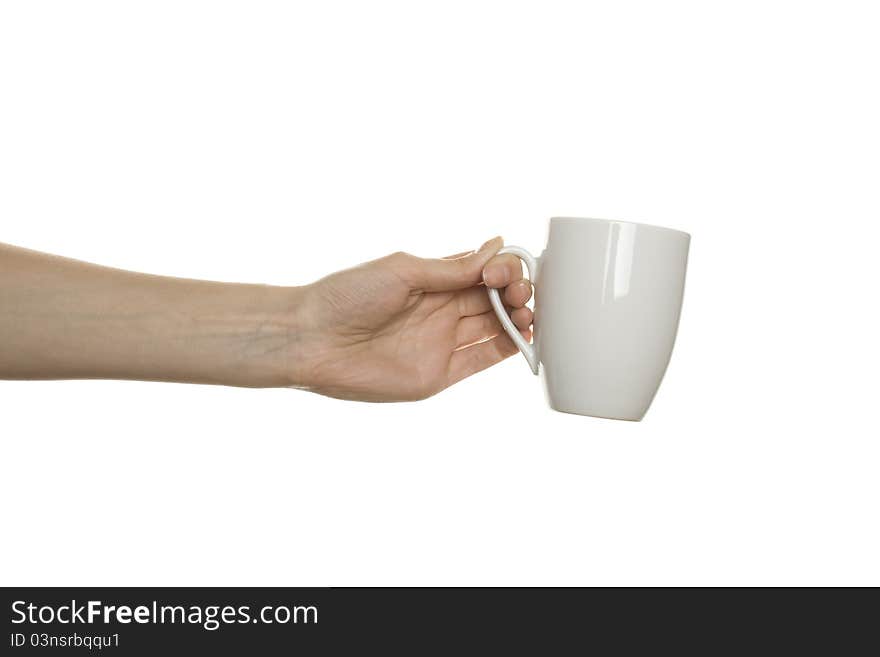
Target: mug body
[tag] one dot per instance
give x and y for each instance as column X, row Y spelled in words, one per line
column 607, row 302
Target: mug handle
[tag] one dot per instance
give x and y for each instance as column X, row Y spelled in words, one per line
column 527, row 349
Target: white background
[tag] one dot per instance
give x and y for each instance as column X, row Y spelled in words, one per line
column 276, row 142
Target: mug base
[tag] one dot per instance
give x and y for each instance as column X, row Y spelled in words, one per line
column 600, row 416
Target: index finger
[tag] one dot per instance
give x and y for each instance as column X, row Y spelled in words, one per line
column 502, row 270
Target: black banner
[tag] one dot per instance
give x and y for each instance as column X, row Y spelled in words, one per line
column 135, row 621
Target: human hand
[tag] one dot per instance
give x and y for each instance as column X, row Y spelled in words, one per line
column 404, row 328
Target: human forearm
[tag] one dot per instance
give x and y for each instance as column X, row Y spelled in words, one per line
column 393, row 329
column 62, row 318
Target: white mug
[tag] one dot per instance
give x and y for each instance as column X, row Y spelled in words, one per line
column 607, row 301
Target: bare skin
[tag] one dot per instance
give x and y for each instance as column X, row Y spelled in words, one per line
column 395, row 329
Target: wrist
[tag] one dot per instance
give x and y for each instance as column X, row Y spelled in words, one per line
column 273, row 339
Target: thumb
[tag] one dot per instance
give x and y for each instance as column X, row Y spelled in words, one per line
column 448, row 274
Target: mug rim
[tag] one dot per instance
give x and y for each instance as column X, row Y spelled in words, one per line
column 615, row 221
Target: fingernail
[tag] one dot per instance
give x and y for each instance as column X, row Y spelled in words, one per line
column 493, row 275
column 491, row 243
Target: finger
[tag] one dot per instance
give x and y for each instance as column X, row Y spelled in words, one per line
column 457, row 255
column 517, row 294
column 471, row 330
column 444, row 275
column 481, row 356
column 502, row 270
column 522, row 318
column 473, row 301
column 475, row 359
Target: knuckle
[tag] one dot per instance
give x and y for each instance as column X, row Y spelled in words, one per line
column 518, row 293
column 399, row 258
column 512, row 263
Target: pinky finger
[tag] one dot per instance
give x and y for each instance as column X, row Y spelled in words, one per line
column 479, row 357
